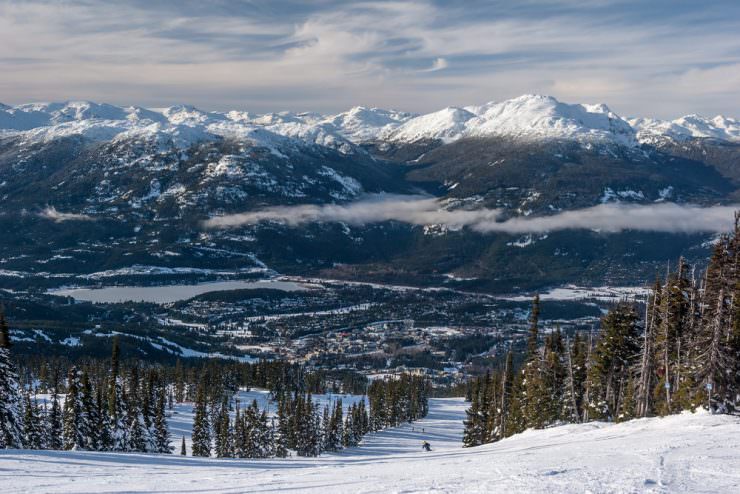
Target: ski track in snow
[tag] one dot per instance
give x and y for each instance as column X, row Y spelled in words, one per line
column 685, row 453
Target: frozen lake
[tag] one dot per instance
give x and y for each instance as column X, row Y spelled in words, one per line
column 170, row 293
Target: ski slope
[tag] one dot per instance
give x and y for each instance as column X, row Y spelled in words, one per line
column 686, row 453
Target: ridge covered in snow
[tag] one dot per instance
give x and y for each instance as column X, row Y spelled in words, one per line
column 525, row 117
column 688, row 127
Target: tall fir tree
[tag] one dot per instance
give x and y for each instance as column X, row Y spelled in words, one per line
column 201, row 445
column 11, row 420
column 161, row 432
column 72, row 425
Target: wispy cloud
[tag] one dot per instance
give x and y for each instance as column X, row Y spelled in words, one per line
column 52, row 214
column 659, row 58
column 415, row 210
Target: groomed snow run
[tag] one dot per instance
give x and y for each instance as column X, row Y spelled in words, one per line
column 686, row 453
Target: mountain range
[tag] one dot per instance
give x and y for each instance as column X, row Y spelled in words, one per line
column 526, row 117
column 88, row 187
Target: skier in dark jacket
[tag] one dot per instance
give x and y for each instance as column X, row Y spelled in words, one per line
column 426, row 446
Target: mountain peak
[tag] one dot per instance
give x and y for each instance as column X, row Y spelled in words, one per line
column 529, row 116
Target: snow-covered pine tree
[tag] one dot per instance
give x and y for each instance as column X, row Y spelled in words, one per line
column 647, row 377
column 161, row 432
column 116, row 403
column 674, row 310
column 54, row 422
column 105, row 440
column 573, row 386
column 505, row 396
column 615, row 354
column 473, row 431
column 223, row 433
column 326, row 429
column 73, row 428
column 717, row 355
column 335, row 433
column 32, row 427
column 265, row 436
column 365, row 421
column 515, row 419
column 280, row 449
column 534, row 397
column 11, row 424
column 90, row 421
column 201, row 430
column 135, row 430
column 282, row 432
column 553, row 377
column 179, row 382
column 240, row 445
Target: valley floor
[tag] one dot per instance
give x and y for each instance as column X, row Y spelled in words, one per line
column 686, row 453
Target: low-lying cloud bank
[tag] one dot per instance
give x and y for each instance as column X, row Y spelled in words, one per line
column 417, row 210
column 52, row 214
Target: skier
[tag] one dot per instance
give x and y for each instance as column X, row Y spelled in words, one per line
column 426, row 446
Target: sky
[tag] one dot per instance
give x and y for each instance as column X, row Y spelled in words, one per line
column 651, row 58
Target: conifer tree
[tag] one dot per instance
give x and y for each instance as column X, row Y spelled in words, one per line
column 473, row 431
column 32, row 432
column 183, row 450
column 615, row 354
column 73, row 429
column 116, row 413
column 89, row 421
column 54, row 422
column 201, row 430
column 534, row 393
column 223, row 435
column 10, row 394
column 647, row 377
column 161, row 433
column 575, row 365
column 280, row 449
column 505, row 396
column 515, row 419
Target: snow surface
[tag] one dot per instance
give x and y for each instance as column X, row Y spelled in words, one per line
column 528, row 117
column 690, row 126
column 684, row 453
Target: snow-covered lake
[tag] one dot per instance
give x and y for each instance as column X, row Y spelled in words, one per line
column 169, row 293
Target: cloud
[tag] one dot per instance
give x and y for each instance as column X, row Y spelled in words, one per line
column 643, row 58
column 439, row 64
column 52, row 214
column 416, row 210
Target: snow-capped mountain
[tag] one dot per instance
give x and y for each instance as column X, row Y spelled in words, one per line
column 150, row 176
column 532, row 117
column 527, row 117
column 691, row 126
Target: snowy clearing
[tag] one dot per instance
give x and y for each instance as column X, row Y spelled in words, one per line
column 685, row 453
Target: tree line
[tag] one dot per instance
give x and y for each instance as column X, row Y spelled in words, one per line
column 681, row 352
column 121, row 407
column 301, row 425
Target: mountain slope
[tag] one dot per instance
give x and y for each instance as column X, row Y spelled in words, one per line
column 88, row 187
column 685, row 453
